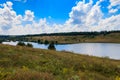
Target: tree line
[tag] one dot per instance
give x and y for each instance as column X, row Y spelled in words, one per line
column 23, row 37
column 75, row 33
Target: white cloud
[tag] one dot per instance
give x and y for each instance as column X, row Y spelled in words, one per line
column 79, row 13
column 29, row 16
column 111, row 23
column 88, row 17
column 9, row 4
column 113, row 10
column 83, row 17
column 114, row 3
column 7, row 16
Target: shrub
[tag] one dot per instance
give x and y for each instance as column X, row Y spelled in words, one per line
column 21, row 44
column 51, row 46
column 0, row 41
column 39, row 41
column 29, row 45
column 56, row 42
column 46, row 42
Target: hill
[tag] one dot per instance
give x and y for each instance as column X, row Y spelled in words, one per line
column 68, row 38
column 77, row 37
column 23, row 63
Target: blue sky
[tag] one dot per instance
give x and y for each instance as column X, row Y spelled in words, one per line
column 49, row 16
column 57, row 10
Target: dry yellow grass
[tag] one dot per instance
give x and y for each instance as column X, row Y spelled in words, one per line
column 24, row 63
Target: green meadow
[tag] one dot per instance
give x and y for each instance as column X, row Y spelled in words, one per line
column 25, row 63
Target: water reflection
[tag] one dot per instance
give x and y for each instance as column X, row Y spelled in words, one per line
column 96, row 49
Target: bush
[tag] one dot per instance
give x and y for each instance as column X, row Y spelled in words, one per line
column 51, row 46
column 46, row 42
column 21, row 44
column 56, row 42
column 39, row 41
column 29, row 45
column 0, row 41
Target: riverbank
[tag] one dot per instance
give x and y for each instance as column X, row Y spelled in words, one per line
column 71, row 39
column 110, row 50
column 66, row 38
column 23, row 63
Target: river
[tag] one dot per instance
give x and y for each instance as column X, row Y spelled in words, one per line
column 111, row 50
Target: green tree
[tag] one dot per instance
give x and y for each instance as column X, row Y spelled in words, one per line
column 1, row 41
column 46, row 42
column 39, row 41
column 21, row 44
column 51, row 46
column 29, row 45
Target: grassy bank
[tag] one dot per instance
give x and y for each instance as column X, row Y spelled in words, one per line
column 102, row 38
column 23, row 63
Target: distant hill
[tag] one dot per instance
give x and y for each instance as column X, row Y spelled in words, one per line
column 77, row 37
column 69, row 37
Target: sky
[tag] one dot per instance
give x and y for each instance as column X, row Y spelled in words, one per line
column 21, row 17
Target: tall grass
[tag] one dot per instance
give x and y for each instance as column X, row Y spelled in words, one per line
column 24, row 63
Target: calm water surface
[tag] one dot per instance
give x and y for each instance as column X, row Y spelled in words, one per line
column 110, row 50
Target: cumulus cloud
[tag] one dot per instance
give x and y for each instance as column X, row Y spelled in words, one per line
column 6, row 16
column 89, row 17
column 13, row 24
column 113, row 10
column 114, row 3
column 83, row 17
column 111, row 23
column 29, row 16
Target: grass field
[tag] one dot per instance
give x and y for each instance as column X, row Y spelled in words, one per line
column 108, row 38
column 23, row 63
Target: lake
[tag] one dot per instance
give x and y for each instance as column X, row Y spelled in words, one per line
column 111, row 50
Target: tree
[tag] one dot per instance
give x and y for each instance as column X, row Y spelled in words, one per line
column 39, row 41
column 1, row 41
column 29, row 45
column 46, row 42
column 21, row 44
column 56, row 42
column 51, row 46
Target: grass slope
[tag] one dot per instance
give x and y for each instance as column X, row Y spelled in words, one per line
column 23, row 63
